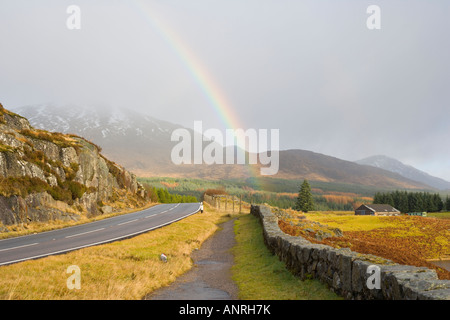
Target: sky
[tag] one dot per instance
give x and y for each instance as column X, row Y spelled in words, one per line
column 312, row 69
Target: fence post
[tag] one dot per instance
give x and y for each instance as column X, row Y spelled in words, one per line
column 233, row 204
column 240, row 204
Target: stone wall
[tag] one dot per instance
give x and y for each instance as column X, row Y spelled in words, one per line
column 348, row 273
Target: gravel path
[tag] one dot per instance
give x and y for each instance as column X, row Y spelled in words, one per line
column 210, row 277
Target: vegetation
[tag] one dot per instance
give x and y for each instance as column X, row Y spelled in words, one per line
column 4, row 111
column 127, row 269
column 305, row 201
column 6, row 148
column 212, row 192
column 276, row 192
column 21, row 186
column 261, row 275
column 440, row 215
column 57, row 138
column 412, row 201
column 410, row 240
column 162, row 195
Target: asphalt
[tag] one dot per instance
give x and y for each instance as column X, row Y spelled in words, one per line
column 43, row 244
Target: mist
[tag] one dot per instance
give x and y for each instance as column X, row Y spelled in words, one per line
column 311, row 69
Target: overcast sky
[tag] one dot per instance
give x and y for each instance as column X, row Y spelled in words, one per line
column 309, row 68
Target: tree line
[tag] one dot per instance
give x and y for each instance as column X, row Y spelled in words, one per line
column 413, row 201
column 162, row 195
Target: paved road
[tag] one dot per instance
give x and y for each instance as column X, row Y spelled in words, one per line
column 67, row 239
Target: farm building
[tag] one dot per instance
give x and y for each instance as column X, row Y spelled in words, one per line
column 376, row 210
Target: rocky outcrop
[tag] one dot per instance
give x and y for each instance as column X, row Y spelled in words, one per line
column 349, row 273
column 45, row 176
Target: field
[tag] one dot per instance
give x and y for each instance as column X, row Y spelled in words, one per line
column 410, row 240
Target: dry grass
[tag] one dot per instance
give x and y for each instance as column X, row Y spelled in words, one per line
column 127, row 269
column 410, row 240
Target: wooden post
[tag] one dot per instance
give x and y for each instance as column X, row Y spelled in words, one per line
column 240, row 204
column 233, row 204
column 226, row 202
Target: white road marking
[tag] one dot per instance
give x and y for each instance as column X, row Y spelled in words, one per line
column 25, row 245
column 127, row 222
column 79, row 234
column 100, row 242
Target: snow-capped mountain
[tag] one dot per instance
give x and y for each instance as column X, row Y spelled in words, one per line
column 89, row 122
column 137, row 141
column 405, row 170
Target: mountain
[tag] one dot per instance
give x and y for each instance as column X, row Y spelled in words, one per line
column 47, row 175
column 303, row 164
column 142, row 144
column 407, row 171
column 138, row 142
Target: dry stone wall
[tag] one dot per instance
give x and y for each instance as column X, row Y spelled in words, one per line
column 350, row 274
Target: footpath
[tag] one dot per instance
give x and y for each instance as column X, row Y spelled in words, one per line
column 210, row 277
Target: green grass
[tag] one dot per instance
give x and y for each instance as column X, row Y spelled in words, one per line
column 440, row 215
column 260, row 275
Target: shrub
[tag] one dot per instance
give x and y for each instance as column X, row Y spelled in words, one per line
column 213, row 192
column 76, row 189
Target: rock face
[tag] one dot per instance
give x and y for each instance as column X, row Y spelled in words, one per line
column 348, row 273
column 45, row 176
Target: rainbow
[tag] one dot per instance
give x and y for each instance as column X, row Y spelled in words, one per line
column 197, row 71
column 199, row 74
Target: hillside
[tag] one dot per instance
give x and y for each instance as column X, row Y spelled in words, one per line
column 303, row 164
column 139, row 142
column 142, row 145
column 405, row 170
column 45, row 175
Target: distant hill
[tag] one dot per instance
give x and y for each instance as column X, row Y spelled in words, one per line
column 142, row 145
column 313, row 166
column 407, row 171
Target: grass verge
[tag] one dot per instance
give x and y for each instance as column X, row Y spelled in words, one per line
column 121, row 270
column 260, row 275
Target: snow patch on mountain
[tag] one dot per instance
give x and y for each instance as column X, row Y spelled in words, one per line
column 405, row 170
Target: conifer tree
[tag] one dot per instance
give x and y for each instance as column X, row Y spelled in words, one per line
column 305, row 200
column 447, row 203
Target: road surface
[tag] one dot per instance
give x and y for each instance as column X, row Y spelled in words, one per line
column 107, row 230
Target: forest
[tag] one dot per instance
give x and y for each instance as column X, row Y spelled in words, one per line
column 413, row 201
